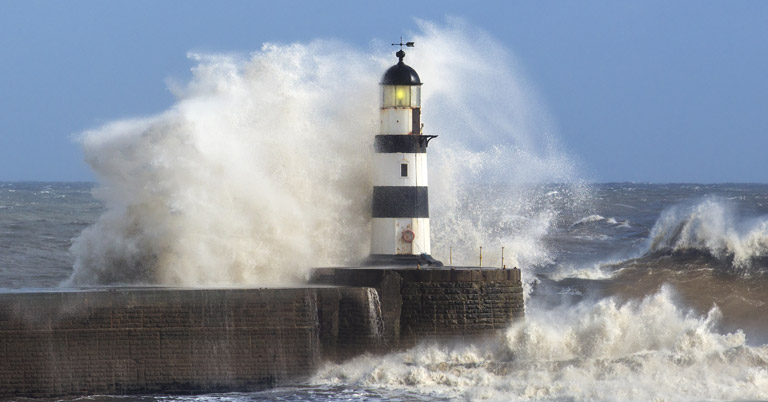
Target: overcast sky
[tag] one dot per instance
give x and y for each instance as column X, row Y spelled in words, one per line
column 650, row 91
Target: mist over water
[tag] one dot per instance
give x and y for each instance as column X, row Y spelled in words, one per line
column 261, row 169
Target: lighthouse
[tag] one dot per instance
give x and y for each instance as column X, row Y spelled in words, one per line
column 400, row 208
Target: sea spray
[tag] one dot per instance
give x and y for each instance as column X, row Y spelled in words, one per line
column 261, row 169
column 604, row 350
column 713, row 226
column 492, row 168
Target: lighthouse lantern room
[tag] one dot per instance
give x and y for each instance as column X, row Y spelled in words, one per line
column 400, row 228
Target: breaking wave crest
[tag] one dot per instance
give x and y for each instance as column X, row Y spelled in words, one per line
column 261, row 168
column 713, row 228
column 591, row 219
column 640, row 350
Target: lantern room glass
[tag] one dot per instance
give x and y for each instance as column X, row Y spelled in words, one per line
column 400, row 96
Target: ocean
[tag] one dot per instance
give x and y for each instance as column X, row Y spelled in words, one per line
column 649, row 292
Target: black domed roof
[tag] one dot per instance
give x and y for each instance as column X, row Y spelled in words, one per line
column 400, row 74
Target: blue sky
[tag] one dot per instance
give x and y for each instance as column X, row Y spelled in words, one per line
column 651, row 91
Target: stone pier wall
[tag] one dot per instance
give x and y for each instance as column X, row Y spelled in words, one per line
column 150, row 340
column 447, row 303
column 464, row 304
column 172, row 341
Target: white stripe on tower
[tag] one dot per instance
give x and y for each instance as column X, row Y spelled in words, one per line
column 400, row 229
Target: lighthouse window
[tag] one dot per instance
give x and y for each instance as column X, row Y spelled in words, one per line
column 403, row 170
column 415, row 96
column 400, row 93
column 396, row 95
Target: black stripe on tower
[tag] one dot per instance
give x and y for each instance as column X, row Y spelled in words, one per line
column 400, row 202
column 407, row 144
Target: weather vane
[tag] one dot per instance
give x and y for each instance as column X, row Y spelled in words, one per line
column 407, row 44
column 400, row 53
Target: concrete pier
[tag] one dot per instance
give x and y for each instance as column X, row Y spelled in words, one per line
column 151, row 340
column 445, row 303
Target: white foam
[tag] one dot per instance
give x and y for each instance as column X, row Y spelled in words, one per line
column 255, row 174
column 595, row 271
column 711, row 225
column 642, row 350
column 624, row 224
column 590, row 219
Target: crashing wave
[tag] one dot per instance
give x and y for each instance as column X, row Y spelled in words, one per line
column 606, row 350
column 711, row 227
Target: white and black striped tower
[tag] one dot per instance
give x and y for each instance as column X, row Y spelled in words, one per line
column 400, row 228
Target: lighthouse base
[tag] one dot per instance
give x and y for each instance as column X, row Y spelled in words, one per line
column 382, row 260
column 446, row 304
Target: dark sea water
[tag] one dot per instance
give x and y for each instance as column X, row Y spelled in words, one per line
column 652, row 292
column 37, row 224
